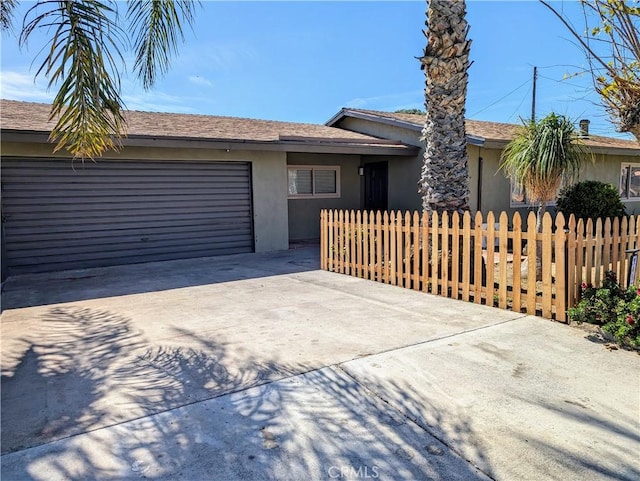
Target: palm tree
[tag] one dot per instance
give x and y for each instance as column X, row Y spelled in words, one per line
column 83, row 59
column 444, row 181
column 541, row 156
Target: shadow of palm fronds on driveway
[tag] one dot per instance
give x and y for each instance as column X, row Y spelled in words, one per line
column 83, row 370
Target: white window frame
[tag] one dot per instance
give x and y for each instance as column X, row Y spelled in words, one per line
column 624, row 195
column 314, row 168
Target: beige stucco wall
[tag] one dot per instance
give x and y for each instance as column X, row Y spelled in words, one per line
column 496, row 187
column 494, row 190
column 304, row 214
column 268, row 172
column 383, row 131
column 607, row 169
column 404, row 172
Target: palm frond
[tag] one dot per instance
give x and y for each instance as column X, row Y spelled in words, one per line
column 6, row 13
column 157, row 28
column 81, row 59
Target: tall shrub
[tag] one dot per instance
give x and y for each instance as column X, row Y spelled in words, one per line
column 591, row 199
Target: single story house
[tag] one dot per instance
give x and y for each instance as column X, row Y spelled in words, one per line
column 616, row 161
column 182, row 186
column 197, row 185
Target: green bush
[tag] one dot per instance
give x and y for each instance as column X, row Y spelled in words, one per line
column 591, row 199
column 613, row 308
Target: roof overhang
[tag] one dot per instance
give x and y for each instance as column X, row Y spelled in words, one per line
column 335, row 120
column 595, row 149
column 284, row 144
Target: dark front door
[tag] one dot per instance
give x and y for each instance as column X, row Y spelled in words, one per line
column 375, row 186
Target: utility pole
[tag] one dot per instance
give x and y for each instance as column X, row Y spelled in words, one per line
column 533, row 99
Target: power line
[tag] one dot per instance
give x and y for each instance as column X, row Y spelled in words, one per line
column 563, row 82
column 501, row 98
column 519, row 105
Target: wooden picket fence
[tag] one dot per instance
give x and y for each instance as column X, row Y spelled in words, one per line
column 506, row 265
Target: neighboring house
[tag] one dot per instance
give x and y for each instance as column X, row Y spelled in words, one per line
column 182, row 186
column 616, row 162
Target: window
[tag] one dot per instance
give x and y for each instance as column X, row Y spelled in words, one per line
column 308, row 181
column 630, row 181
column 518, row 197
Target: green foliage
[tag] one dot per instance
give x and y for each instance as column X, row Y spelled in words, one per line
column 410, row 111
column 157, row 26
column 591, row 199
column 613, row 308
column 610, row 40
column 83, row 59
column 541, row 155
column 88, row 101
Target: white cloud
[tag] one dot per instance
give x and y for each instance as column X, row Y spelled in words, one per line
column 21, row 86
column 202, row 81
column 136, row 98
column 157, row 102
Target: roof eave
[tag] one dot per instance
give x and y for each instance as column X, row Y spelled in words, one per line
column 325, row 146
column 374, row 118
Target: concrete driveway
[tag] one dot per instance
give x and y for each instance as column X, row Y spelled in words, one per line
column 262, row 367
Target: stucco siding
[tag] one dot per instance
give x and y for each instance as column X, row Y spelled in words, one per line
column 607, row 169
column 304, row 214
column 383, row 131
column 496, row 187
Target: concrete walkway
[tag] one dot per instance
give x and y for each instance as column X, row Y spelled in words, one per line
column 263, row 367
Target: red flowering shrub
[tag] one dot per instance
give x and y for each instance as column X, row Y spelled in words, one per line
column 615, row 309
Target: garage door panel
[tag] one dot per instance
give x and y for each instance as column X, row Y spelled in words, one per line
column 100, row 208
column 36, row 234
column 132, row 190
column 136, row 258
column 62, row 167
column 63, row 250
column 27, row 202
column 114, row 216
column 121, row 212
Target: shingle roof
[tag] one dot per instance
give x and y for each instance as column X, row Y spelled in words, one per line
column 33, row 117
column 497, row 131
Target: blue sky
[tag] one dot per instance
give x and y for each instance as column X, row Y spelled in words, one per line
column 302, row 61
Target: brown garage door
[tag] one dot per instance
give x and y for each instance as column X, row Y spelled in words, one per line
column 58, row 217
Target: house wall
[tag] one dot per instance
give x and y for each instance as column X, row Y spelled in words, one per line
column 404, row 172
column 269, row 179
column 381, row 130
column 606, row 168
column 496, row 187
column 304, row 214
column 402, row 182
column 489, row 188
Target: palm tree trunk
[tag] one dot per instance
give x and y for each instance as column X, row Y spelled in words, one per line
column 542, row 208
column 444, row 181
